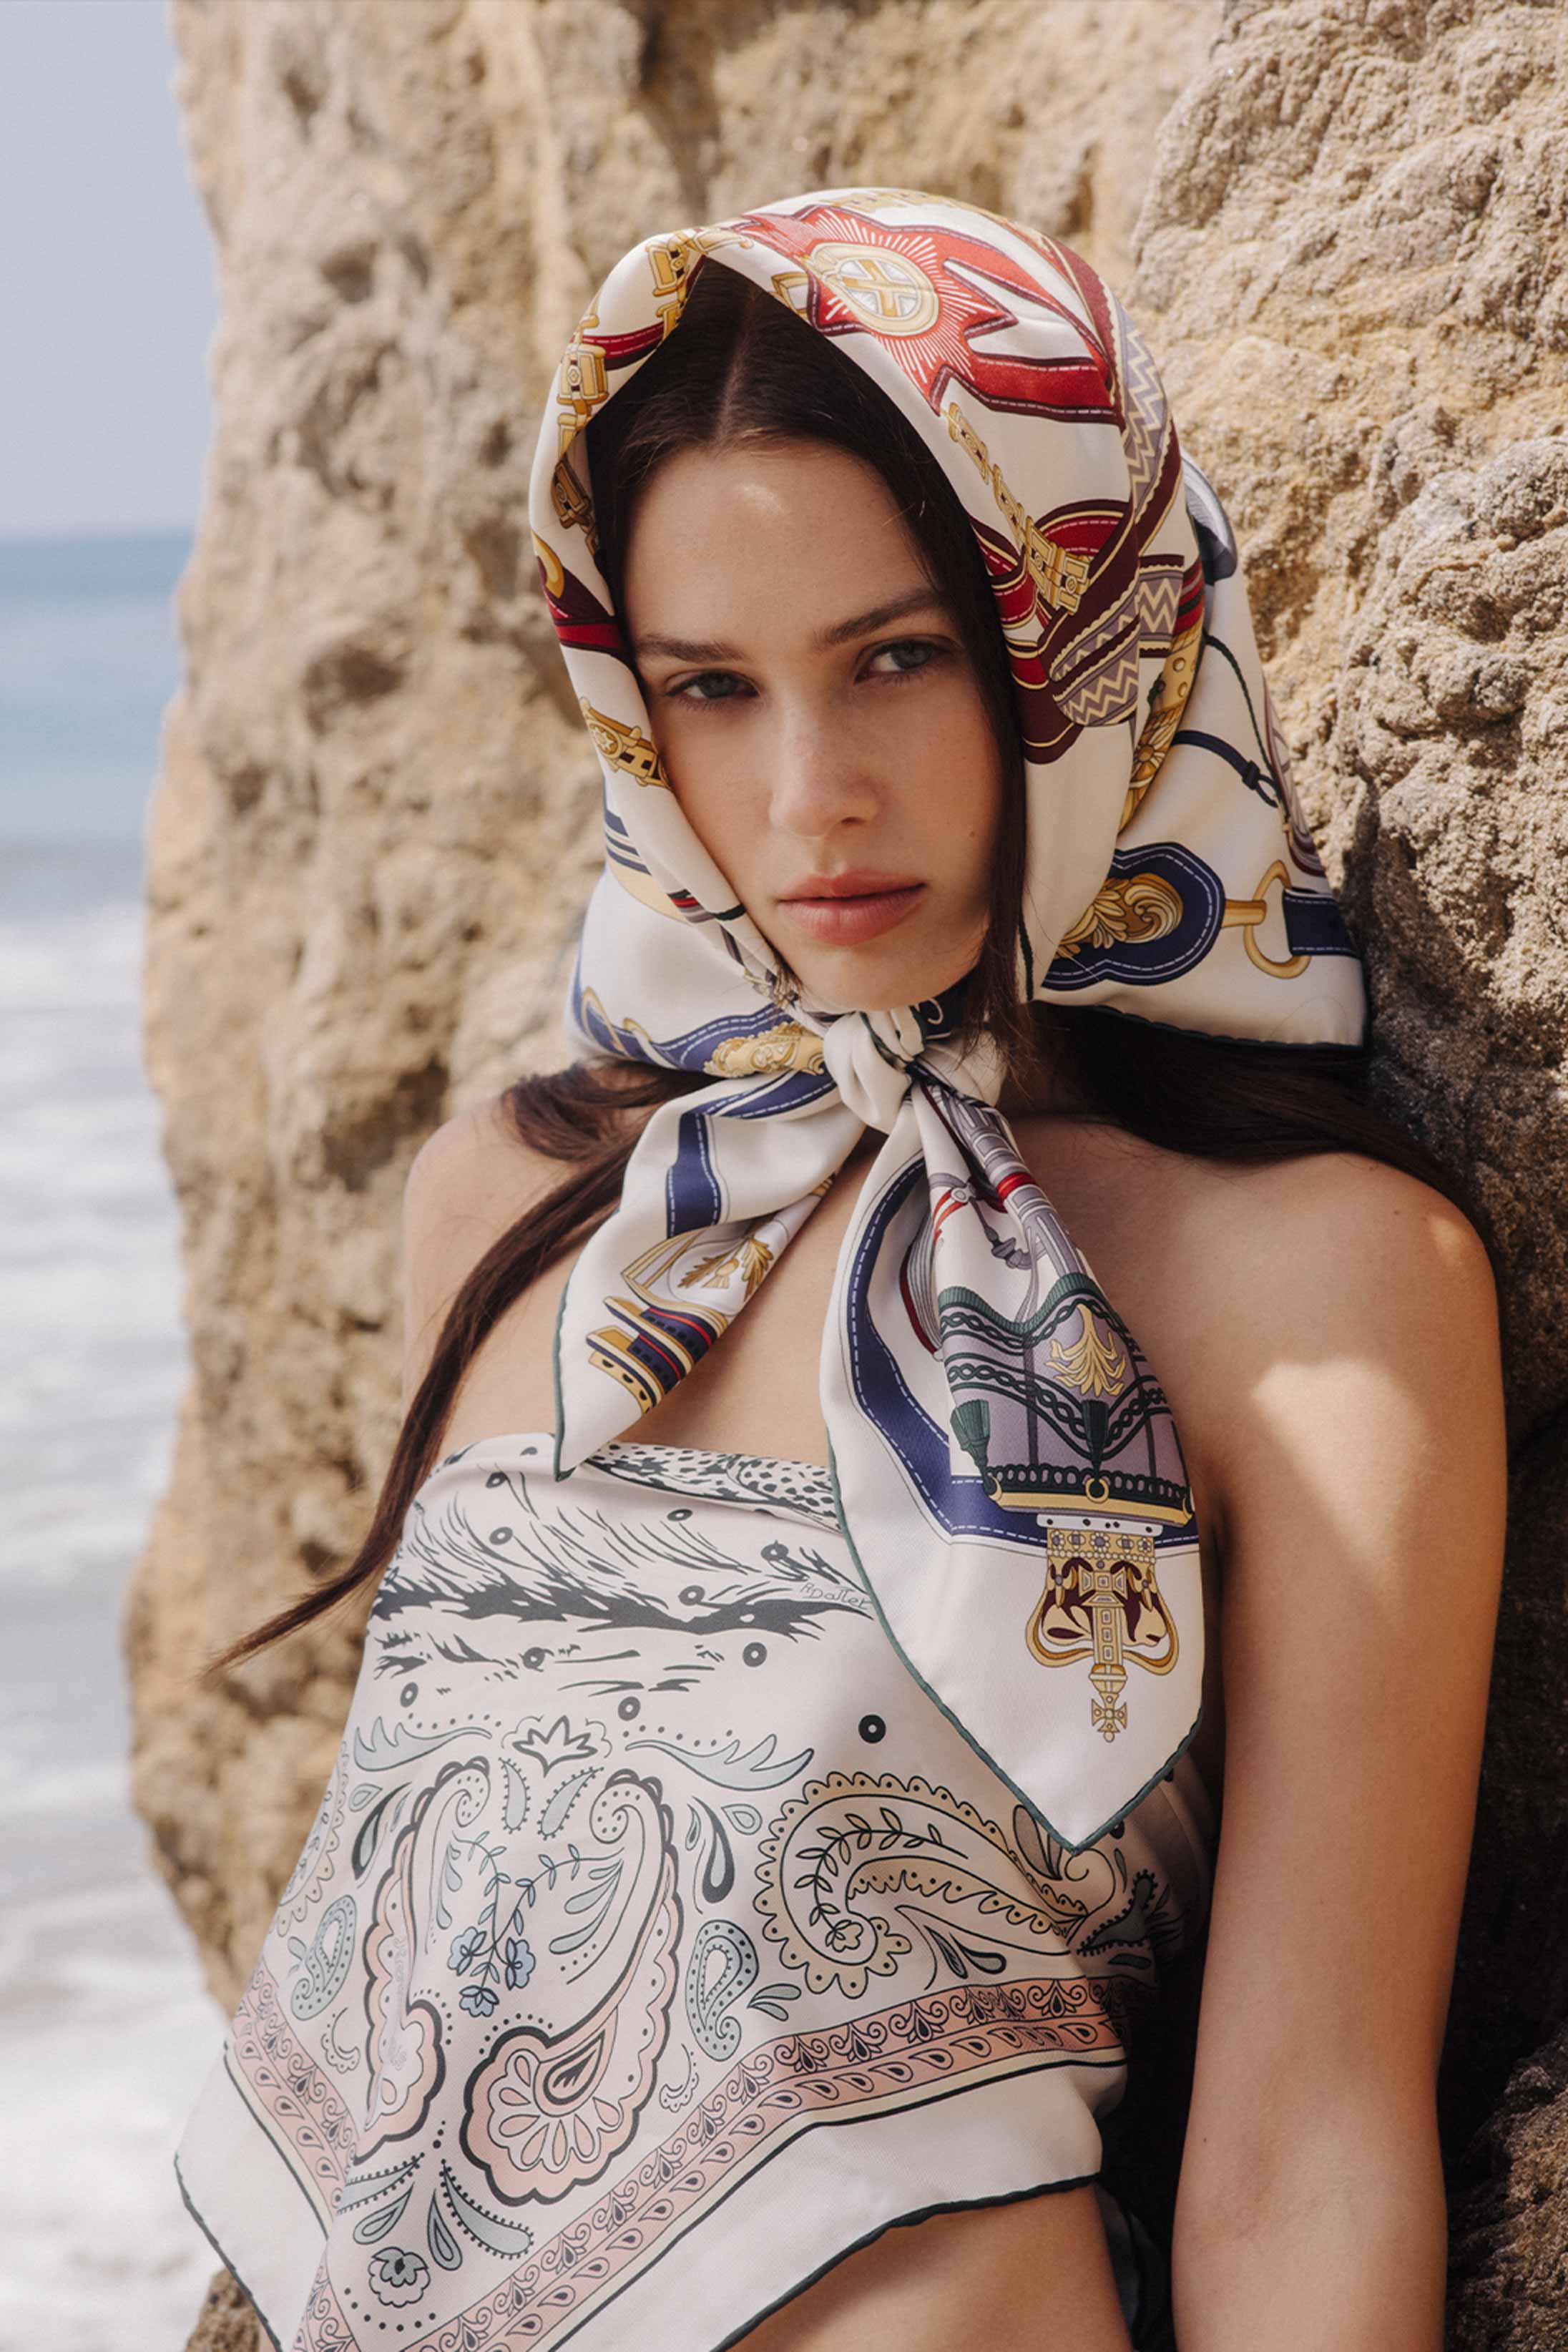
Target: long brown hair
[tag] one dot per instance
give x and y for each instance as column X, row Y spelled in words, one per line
column 744, row 369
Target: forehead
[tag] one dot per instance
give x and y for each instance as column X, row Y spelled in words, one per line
column 718, row 528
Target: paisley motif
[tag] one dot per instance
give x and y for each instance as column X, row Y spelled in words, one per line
column 853, row 1838
column 722, row 1967
column 547, row 2112
column 326, row 1963
column 403, row 2044
column 313, row 1869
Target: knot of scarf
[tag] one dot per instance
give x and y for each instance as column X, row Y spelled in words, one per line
column 874, row 1059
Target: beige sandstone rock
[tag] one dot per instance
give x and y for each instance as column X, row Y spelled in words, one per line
column 1354, row 263
column 374, row 821
column 226, row 2322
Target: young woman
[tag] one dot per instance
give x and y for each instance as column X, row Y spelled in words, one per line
column 806, row 1659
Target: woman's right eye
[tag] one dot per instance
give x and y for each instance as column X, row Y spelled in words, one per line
column 708, row 686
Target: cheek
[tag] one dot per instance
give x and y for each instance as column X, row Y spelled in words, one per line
column 961, row 774
column 706, row 788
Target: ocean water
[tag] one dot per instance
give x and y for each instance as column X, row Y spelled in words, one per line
column 105, row 2028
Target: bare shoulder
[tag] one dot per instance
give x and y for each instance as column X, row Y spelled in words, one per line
column 1330, row 1271
column 1258, row 1248
column 1340, row 1198
column 1325, row 1305
column 474, row 1172
column 1333, row 1245
column 1344, row 1345
column 468, row 1182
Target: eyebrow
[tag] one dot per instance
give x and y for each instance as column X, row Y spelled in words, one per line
column 858, row 625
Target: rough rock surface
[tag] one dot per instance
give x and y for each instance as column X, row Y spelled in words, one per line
column 375, row 814
column 226, row 2322
column 1353, row 264
column 1508, row 2249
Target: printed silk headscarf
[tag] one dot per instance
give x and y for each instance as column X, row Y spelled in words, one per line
column 1008, row 1470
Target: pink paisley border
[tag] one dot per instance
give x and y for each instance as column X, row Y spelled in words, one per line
column 289, row 2087
column 895, row 2058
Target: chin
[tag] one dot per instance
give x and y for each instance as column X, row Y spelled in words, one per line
column 852, row 983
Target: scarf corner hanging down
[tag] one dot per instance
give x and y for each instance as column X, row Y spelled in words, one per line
column 1008, row 1467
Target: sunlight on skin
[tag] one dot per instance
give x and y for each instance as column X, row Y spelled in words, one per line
column 818, row 715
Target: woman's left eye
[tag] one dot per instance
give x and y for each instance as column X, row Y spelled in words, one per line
column 906, row 656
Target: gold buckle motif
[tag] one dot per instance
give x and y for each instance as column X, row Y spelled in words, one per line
column 1247, row 913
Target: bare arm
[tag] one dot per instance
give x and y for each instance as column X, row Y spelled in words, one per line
column 1362, row 1490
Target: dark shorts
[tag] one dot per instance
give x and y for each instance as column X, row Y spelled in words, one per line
column 1143, row 2275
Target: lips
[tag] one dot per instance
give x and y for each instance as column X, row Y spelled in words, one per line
column 846, row 909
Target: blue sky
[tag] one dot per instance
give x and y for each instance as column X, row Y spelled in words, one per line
column 107, row 282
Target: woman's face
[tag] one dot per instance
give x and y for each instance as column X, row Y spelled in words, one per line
column 819, row 718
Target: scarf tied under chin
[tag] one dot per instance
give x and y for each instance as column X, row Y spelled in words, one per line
column 1008, row 1470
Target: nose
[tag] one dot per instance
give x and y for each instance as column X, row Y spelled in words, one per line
column 819, row 778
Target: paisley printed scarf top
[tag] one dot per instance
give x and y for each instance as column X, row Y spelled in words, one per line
column 656, row 1942
column 1006, row 1464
